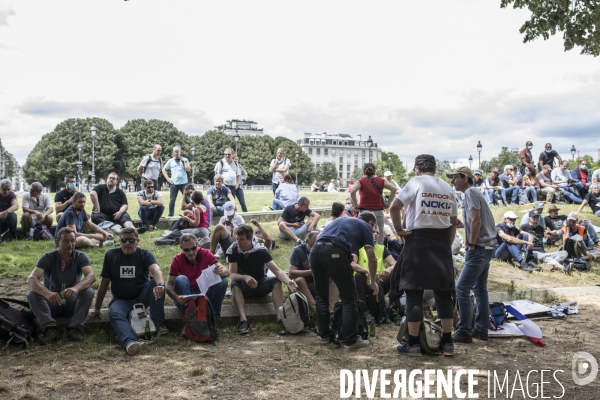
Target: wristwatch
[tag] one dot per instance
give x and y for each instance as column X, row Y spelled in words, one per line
column 160, row 284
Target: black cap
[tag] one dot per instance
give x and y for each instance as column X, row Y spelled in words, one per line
column 534, row 213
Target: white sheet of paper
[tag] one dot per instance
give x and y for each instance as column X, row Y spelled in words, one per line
column 191, row 296
column 207, row 279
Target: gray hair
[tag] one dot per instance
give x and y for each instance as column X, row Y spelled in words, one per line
column 595, row 186
column 5, row 183
column 218, row 177
column 229, row 149
column 281, row 149
column 508, row 167
column 188, row 237
column 37, row 187
column 176, row 148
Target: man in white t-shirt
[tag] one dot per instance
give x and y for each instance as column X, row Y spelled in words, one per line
column 37, row 208
column 229, row 170
column 596, row 176
column 150, row 167
column 561, row 176
column 431, row 218
column 279, row 166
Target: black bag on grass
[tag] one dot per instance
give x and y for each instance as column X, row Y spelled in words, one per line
column 362, row 328
column 376, row 305
column 16, row 325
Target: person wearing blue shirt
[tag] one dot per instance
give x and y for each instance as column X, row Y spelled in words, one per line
column 179, row 167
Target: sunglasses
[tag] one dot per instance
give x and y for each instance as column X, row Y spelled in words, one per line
column 150, row 187
column 130, row 240
column 190, row 249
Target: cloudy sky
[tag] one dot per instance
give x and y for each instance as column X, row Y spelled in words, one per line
column 419, row 77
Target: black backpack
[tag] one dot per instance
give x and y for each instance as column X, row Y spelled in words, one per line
column 376, row 305
column 362, row 328
column 41, row 232
column 16, row 325
column 170, row 240
column 149, row 158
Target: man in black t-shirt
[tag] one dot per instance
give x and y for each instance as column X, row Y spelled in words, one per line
column 547, row 157
column 63, row 198
column 127, row 271
column 291, row 222
column 512, row 243
column 247, row 259
column 110, row 204
column 592, row 199
column 551, row 260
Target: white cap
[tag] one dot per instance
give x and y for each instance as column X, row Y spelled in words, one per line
column 229, row 208
column 387, row 173
column 510, row 214
column 573, row 215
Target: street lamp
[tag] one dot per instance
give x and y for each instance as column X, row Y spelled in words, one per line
column 93, row 131
column 454, row 164
column 369, row 142
column 479, row 147
column 79, row 148
column 389, row 161
column 193, row 150
column 297, row 158
column 236, row 137
column 573, row 151
column 470, row 161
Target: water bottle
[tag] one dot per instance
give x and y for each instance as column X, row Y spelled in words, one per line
column 147, row 330
column 62, row 294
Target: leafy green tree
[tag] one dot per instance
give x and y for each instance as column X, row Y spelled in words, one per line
column 327, row 172
column 357, row 173
column 395, row 165
column 577, row 20
column 55, row 155
column 209, row 150
column 507, row 156
column 589, row 159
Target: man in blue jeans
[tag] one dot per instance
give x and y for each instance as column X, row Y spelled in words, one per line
column 480, row 233
column 186, row 268
column 127, row 271
column 151, row 205
column 179, row 167
column 511, row 242
column 509, row 182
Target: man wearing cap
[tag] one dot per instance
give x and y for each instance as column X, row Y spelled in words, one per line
column 426, row 261
column 537, row 252
column 572, row 228
column 480, row 233
column 511, row 242
column 291, row 222
column 526, row 157
column 561, row 177
column 539, row 207
column 547, row 157
column 223, row 233
column 388, row 176
column 478, row 183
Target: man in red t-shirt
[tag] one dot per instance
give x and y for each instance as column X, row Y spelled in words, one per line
column 186, row 267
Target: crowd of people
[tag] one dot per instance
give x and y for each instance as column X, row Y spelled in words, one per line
column 389, row 238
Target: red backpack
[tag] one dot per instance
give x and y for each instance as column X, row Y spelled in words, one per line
column 199, row 319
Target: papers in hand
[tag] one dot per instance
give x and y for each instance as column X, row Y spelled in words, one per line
column 207, row 279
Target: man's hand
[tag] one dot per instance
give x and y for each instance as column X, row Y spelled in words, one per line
column 181, row 300
column 3, row 214
column 39, row 215
column 292, row 285
column 212, row 207
column 374, row 287
column 295, row 225
column 54, row 298
column 158, row 292
column 219, row 269
column 117, row 215
column 529, row 246
column 255, row 223
column 403, row 233
column 108, row 236
column 170, row 181
column 250, row 281
column 92, row 314
column 71, row 292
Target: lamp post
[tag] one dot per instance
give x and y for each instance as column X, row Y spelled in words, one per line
column 470, row 161
column 93, row 131
column 297, row 158
column 79, row 164
column 369, row 142
column 454, row 164
column 193, row 150
column 479, row 147
column 389, row 161
column 573, row 151
column 236, row 137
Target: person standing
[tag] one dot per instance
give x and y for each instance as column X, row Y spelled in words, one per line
column 331, row 257
column 239, row 192
column 279, row 166
column 179, row 167
column 480, row 233
column 426, row 261
column 231, row 173
column 526, row 157
column 150, row 167
column 547, row 157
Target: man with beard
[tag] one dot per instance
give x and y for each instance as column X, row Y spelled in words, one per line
column 110, row 204
column 76, row 218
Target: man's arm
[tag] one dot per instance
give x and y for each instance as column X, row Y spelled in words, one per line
column 355, row 189
column 282, row 276
column 475, row 227
column 583, row 204
column 159, row 289
column 372, row 268
column 235, row 276
column 14, row 206
column 166, row 175
column 294, row 272
column 94, row 200
column 99, row 299
column 140, row 170
column 189, row 206
column 315, row 217
column 513, row 239
column 559, row 159
column 454, row 222
column 48, row 211
column 143, row 202
column 36, row 286
column 186, row 165
column 263, row 233
column 97, row 236
column 83, row 284
column 356, row 266
column 171, row 291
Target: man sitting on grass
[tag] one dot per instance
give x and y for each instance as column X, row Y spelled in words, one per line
column 551, row 261
column 223, row 234
column 511, row 242
column 247, row 259
column 291, row 222
column 151, row 205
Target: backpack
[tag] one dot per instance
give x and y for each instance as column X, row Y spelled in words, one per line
column 199, row 320
column 430, row 336
column 169, row 240
column 16, row 325
column 41, row 232
column 572, row 247
column 294, row 313
column 376, row 305
column 498, row 315
column 395, row 247
column 578, row 263
column 149, row 158
column 362, row 328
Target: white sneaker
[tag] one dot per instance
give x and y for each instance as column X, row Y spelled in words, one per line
column 107, row 243
column 134, row 348
column 360, row 343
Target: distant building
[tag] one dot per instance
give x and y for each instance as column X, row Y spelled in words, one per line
column 343, row 150
column 16, row 178
column 243, row 128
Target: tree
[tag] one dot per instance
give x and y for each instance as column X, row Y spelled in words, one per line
column 55, row 155
column 357, row 174
column 576, row 19
column 327, row 172
column 395, row 165
column 209, row 150
column 506, row 157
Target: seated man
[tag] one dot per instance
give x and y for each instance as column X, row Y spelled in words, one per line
column 186, row 268
column 301, row 273
column 511, row 242
column 127, row 271
column 224, row 231
column 582, row 177
column 337, row 210
column 547, row 187
column 509, row 182
column 539, row 207
column 152, row 205
column 37, row 208
column 110, row 204
column 8, row 207
column 63, row 293
column 479, row 182
column 247, row 259
column 551, row 260
column 63, row 198
column 360, row 265
column 76, row 218
column 573, row 228
column 291, row 222
column 218, row 195
column 561, row 177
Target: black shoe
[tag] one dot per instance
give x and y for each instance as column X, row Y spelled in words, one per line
column 534, row 266
column 282, row 331
column 142, row 229
column 462, row 337
column 525, row 268
column 50, row 335
column 75, row 333
column 480, row 335
column 243, row 327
